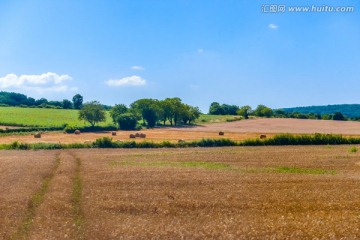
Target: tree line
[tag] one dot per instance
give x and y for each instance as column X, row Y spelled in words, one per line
column 21, row 100
column 264, row 111
column 150, row 112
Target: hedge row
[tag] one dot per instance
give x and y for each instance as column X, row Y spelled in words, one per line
column 278, row 140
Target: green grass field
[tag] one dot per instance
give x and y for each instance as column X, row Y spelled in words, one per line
column 45, row 117
column 42, row 117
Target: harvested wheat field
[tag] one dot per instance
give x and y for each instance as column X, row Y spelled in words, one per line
column 285, row 125
column 220, row 193
column 237, row 131
column 154, row 135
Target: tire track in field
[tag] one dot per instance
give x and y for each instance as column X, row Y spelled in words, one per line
column 57, row 213
column 36, row 200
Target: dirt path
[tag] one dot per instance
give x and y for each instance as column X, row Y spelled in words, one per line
column 54, row 212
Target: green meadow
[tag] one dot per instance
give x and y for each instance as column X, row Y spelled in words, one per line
column 47, row 117
column 42, row 117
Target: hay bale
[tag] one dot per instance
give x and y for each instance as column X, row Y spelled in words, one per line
column 137, row 134
column 181, row 141
column 132, row 136
column 37, row 135
column 262, row 136
column 142, row 135
column 221, row 133
column 113, row 133
column 77, row 132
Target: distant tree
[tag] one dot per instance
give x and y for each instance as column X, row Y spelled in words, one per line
column 263, row 111
column 229, row 109
column 117, row 110
column 175, row 110
column 189, row 113
column 244, row 111
column 216, row 109
column 92, row 112
column 147, row 108
column 327, row 116
column 41, row 101
column 77, row 101
column 30, row 101
column 66, row 104
column 338, row 116
column 55, row 103
column 126, row 121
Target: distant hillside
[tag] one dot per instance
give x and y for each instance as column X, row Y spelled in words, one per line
column 348, row 110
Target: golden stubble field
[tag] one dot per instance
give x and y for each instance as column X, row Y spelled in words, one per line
column 237, row 131
column 199, row 193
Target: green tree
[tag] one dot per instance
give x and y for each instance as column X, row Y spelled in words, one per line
column 338, row 116
column 148, row 109
column 244, row 111
column 66, row 104
column 216, row 109
column 117, row 110
column 126, row 121
column 92, row 112
column 77, row 101
column 175, row 110
column 189, row 113
column 41, row 101
column 263, row 111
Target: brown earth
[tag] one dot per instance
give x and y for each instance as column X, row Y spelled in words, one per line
column 197, row 193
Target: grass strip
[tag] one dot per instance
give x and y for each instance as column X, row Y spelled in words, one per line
column 76, row 199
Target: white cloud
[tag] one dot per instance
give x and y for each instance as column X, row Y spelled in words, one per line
column 46, row 82
column 140, row 68
column 200, row 50
column 127, row 81
column 273, row 26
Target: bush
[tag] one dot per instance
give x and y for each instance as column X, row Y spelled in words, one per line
column 126, row 121
column 353, row 149
column 104, row 142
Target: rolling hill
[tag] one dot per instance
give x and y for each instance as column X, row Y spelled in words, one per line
column 349, row 110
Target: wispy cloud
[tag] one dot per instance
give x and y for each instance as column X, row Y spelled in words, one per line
column 46, row 82
column 127, row 81
column 273, row 26
column 200, row 51
column 139, row 68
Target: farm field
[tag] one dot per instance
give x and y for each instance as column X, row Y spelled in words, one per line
column 237, row 131
column 285, row 125
column 153, row 135
column 42, row 117
column 224, row 193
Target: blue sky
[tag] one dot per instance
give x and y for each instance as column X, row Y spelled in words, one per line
column 228, row 51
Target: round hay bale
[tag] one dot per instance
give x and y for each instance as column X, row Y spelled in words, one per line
column 221, row 133
column 181, row 141
column 77, row 132
column 132, row 136
column 137, row 134
column 113, row 133
column 142, row 135
column 262, row 136
column 37, row 135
